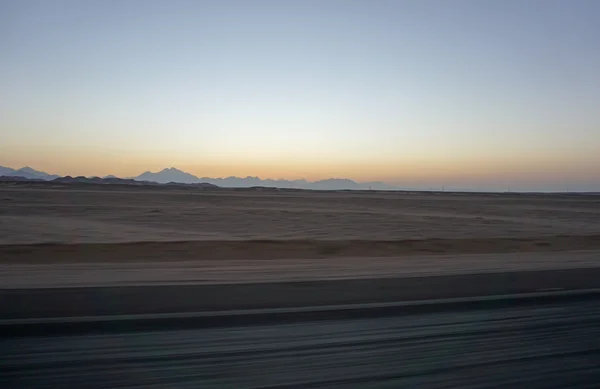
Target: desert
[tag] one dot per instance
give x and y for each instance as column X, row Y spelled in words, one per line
column 55, row 232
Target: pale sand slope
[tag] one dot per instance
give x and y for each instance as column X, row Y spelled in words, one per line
column 15, row 276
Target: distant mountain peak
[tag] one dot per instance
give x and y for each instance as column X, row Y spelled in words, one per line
column 28, row 169
column 27, row 172
column 168, row 175
column 4, row 171
column 172, row 175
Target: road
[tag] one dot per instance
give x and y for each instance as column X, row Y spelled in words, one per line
column 387, row 333
column 547, row 345
column 152, row 299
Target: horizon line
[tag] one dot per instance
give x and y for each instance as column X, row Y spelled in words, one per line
column 447, row 188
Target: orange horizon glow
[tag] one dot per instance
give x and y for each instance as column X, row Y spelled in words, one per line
column 426, row 172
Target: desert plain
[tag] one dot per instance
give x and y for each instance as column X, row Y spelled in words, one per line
column 55, row 235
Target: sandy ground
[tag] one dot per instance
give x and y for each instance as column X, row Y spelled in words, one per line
column 102, row 236
column 65, row 215
column 224, row 271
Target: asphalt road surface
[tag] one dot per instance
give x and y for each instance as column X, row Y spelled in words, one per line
column 547, row 345
column 486, row 341
column 122, row 300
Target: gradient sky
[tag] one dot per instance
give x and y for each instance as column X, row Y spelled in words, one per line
column 480, row 94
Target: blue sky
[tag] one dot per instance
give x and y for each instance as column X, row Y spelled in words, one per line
column 471, row 94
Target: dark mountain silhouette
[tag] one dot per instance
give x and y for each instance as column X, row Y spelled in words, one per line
column 168, row 175
column 19, row 179
column 27, row 172
column 172, row 175
column 98, row 180
column 198, row 185
column 126, row 181
column 110, row 180
column 5, row 171
column 77, row 180
column 341, row 183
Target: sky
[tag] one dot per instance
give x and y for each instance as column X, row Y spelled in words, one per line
column 484, row 95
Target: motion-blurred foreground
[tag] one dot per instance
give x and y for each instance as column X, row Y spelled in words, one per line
column 170, row 288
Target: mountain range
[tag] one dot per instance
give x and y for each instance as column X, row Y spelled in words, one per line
column 173, row 175
column 27, row 172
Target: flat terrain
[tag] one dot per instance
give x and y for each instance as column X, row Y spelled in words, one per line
column 88, row 251
column 52, row 274
column 278, row 224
